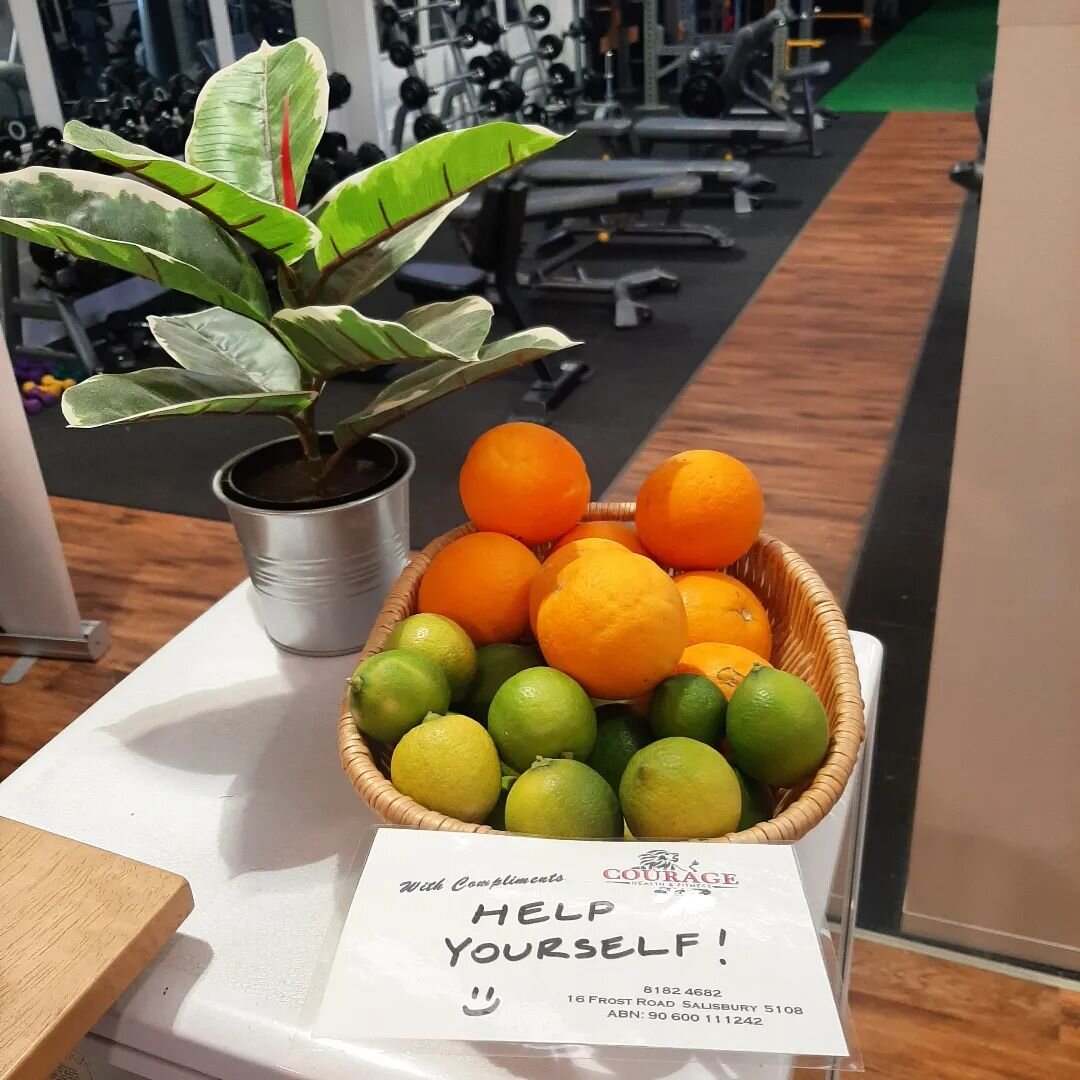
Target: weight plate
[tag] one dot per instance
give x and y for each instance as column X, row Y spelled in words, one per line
column 467, row 37
column 401, row 54
column 701, row 96
column 426, row 125
column 488, row 30
column 413, row 92
column 561, row 76
column 549, row 46
column 513, row 96
column 539, row 17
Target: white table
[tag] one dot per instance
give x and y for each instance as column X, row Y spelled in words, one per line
column 217, row 759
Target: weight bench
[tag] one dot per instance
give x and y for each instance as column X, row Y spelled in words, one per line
column 578, row 218
column 717, row 176
column 616, row 135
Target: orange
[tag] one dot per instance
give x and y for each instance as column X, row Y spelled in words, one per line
column 544, row 582
column 481, row 582
column 524, row 480
column 721, row 608
column 614, row 622
column 604, row 530
column 726, row 665
column 699, row 510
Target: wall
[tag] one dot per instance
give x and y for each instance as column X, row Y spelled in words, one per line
column 996, row 849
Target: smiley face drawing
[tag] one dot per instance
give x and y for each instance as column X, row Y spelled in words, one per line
column 491, row 1003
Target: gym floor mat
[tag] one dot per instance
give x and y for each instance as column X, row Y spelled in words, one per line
column 167, row 464
column 931, row 65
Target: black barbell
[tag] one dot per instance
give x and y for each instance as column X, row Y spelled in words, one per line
column 404, row 55
column 414, row 92
column 489, row 30
column 493, row 103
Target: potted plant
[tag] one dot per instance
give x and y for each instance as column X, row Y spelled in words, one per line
column 322, row 516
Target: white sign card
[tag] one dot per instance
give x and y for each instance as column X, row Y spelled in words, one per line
column 516, row 939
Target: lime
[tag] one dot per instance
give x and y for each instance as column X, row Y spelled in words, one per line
column 442, row 641
column 620, row 734
column 563, row 798
column 494, row 665
column 680, row 789
column 776, row 727
column 449, row 764
column 690, row 706
column 540, row 712
column 757, row 801
column 393, row 691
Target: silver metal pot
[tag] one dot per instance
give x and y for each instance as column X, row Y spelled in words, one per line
column 321, row 575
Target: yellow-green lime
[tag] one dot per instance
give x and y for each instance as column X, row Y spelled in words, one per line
column 620, row 734
column 442, row 641
column 494, row 665
column 449, row 764
column 563, row 798
column 679, row 789
column 776, row 727
column 391, row 692
column 688, row 706
column 540, row 712
column 757, row 801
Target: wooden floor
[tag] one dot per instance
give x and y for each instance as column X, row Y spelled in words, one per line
column 806, row 387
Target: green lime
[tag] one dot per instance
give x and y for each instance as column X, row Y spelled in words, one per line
column 441, row 641
column 776, row 727
column 620, row 734
column 393, row 691
column 540, row 712
column 449, row 764
column 680, row 789
column 563, row 798
column 690, row 707
column 494, row 665
column 757, row 801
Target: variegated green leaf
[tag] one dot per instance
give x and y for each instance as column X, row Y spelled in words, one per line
column 330, row 340
column 460, row 326
column 273, row 228
column 236, row 132
column 433, row 381
column 160, row 392
column 220, row 342
column 131, row 226
column 373, row 205
column 357, row 276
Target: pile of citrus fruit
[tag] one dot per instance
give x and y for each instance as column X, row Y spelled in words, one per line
column 592, row 693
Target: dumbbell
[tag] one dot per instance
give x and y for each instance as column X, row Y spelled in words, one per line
column 547, row 48
column 493, row 103
column 415, row 93
column 489, row 30
column 368, row 154
column 583, row 28
column 334, row 147
column 320, row 178
column 392, row 15
column 403, row 55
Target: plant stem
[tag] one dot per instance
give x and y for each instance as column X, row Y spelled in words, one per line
column 308, row 434
column 334, row 460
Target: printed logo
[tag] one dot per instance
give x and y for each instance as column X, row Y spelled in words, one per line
column 661, row 870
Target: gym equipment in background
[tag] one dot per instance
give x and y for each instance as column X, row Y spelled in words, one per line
column 969, row 174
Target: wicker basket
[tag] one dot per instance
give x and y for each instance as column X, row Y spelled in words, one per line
column 810, row 640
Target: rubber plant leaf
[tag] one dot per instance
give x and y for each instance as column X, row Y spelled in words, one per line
column 373, row 205
column 129, row 225
column 240, row 115
column 275, row 229
column 160, row 392
column 220, row 342
column 441, row 377
column 328, row 341
column 367, row 269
